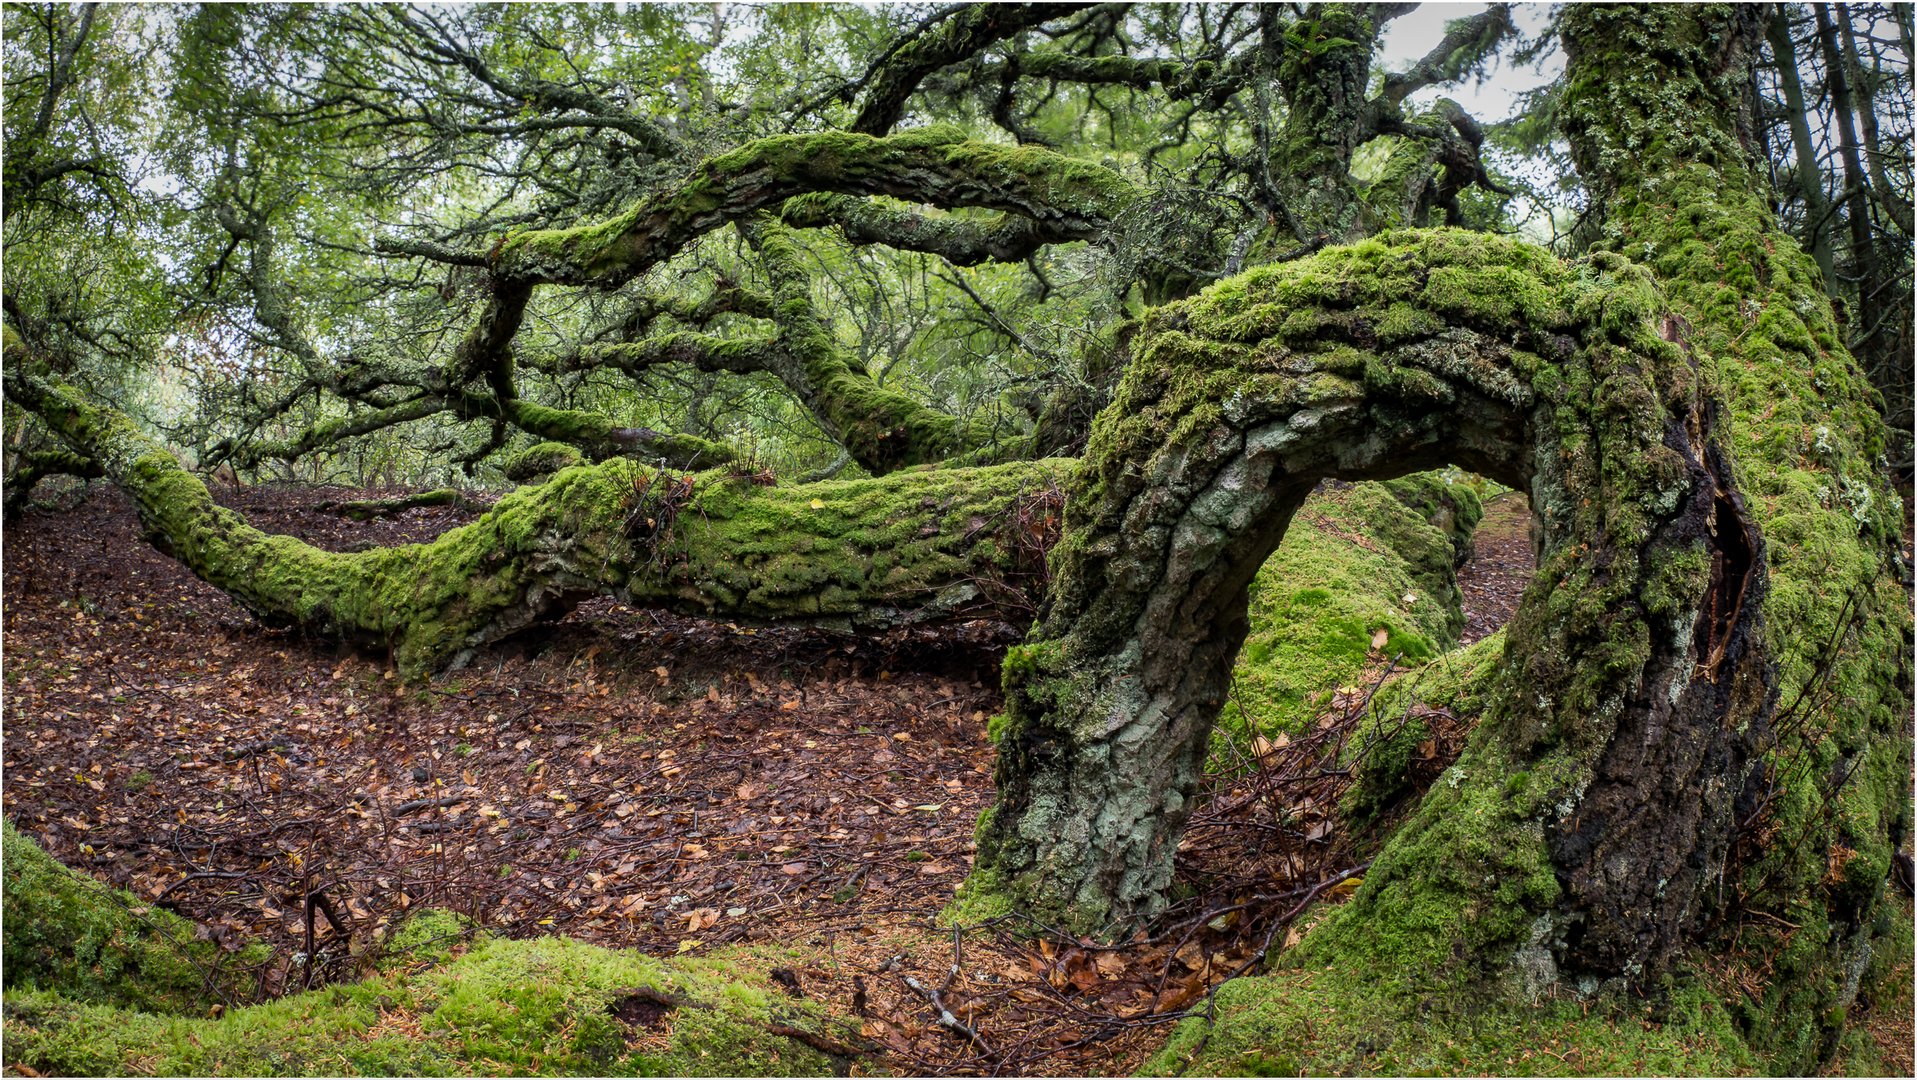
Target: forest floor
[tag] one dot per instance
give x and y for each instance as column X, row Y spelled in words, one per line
column 1502, row 559
column 628, row 778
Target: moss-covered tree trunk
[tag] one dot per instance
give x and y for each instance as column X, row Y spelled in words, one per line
column 1368, row 361
column 1705, row 700
column 1657, row 110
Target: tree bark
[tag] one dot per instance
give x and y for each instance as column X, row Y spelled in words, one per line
column 1060, row 195
column 1665, row 153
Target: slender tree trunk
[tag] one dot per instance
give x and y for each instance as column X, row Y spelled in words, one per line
column 1865, row 82
column 1323, row 64
column 1865, row 265
column 1810, row 178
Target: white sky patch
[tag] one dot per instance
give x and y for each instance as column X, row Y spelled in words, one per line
column 1409, row 37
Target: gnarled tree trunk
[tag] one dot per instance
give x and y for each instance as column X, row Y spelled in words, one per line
column 1638, row 659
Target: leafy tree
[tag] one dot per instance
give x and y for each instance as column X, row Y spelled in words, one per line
column 1182, row 263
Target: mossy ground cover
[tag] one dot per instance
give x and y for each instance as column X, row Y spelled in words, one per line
column 98, row 983
column 1338, row 1021
column 73, row 936
column 1356, row 560
column 547, row 1006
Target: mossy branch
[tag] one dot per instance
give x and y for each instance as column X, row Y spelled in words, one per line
column 935, row 165
column 957, row 240
column 948, row 42
column 34, row 466
column 918, row 547
column 881, row 428
column 1210, row 80
column 329, row 433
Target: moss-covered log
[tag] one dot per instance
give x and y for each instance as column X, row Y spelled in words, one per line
column 34, row 466
column 1393, row 355
column 911, row 548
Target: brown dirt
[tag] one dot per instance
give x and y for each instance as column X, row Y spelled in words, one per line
column 1502, row 562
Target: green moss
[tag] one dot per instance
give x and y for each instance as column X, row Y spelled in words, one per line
column 95, row 944
column 980, row 897
column 431, row 937
column 1382, row 750
column 1355, row 560
column 547, row 1006
column 540, row 460
column 1330, row 1021
column 933, row 162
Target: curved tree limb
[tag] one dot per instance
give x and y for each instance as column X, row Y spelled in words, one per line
column 1364, row 362
column 927, row 50
column 34, row 466
column 861, row 554
column 1466, row 43
column 1066, row 196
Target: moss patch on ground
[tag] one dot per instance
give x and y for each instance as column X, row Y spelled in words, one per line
column 1333, row 1021
column 74, row 936
column 91, row 992
column 549, row 1006
column 1356, row 559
